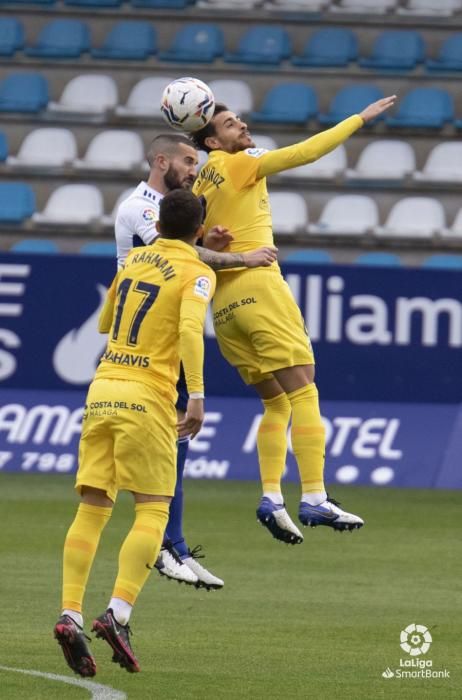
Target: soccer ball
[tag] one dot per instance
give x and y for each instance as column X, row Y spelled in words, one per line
column 187, row 104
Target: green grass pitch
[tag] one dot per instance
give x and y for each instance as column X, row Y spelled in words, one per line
column 317, row 620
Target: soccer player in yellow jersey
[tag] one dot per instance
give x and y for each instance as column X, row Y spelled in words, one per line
column 129, row 426
column 259, row 327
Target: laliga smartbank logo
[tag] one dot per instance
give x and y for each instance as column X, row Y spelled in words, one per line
column 415, row 640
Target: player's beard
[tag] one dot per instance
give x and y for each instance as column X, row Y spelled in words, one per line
column 174, row 182
column 239, row 146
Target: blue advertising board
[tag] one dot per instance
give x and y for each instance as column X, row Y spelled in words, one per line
column 379, row 334
column 380, row 444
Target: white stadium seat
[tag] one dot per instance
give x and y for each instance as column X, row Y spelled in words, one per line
column 264, row 141
column 417, row 217
column 87, row 95
column 145, row 97
column 109, row 219
column 442, row 8
column 379, row 7
column 72, row 204
column 47, row 147
column 455, row 230
column 326, row 168
column 444, row 163
column 227, row 4
column 113, row 150
column 348, row 214
column 235, row 94
column 384, row 160
column 296, row 5
column 289, row 211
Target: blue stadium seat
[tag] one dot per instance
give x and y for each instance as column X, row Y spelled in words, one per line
column 27, row 2
column 444, row 261
column 293, row 103
column 351, row 100
column 35, row 245
column 107, row 248
column 310, row 256
column 396, row 50
column 3, row 147
column 198, row 43
column 378, row 259
column 128, row 40
column 450, row 55
column 267, row 45
column 11, row 36
column 17, row 202
column 23, row 92
column 329, row 47
column 94, row 3
column 167, row 4
column 427, row 107
column 61, row 38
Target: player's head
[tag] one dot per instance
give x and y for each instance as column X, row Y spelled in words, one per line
column 180, row 216
column 225, row 132
column 173, row 158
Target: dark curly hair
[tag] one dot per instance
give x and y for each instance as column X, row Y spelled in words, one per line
column 198, row 137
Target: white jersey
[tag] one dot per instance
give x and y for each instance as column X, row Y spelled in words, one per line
column 135, row 223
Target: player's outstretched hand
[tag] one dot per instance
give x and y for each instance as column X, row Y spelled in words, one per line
column 262, row 257
column 194, row 417
column 376, row 108
column 217, row 238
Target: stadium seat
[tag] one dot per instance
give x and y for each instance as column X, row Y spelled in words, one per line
column 378, row 259
column 61, row 38
column 128, row 40
column 17, row 202
column 426, row 107
column 3, row 147
column 145, row 97
column 23, row 92
column 291, row 103
column 268, row 45
column 387, row 159
column 310, row 256
column 264, row 141
column 455, row 230
column 197, row 43
column 11, row 36
column 396, row 50
column 236, row 94
column 296, row 5
column 289, row 212
column 109, row 219
column 113, row 150
column 227, row 4
column 416, row 217
column 444, row 163
column 35, row 245
column 379, row 7
column 449, row 57
column 167, row 4
column 45, row 148
column 348, row 214
column 334, row 46
column 328, row 167
column 442, row 8
column 87, row 95
column 351, row 100
column 94, row 3
column 104, row 248
column 27, row 2
column 445, row 261
column 71, row 204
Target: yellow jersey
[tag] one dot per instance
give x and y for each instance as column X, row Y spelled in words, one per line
column 233, row 185
column 161, row 299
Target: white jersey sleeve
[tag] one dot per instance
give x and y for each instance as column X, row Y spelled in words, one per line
column 135, row 224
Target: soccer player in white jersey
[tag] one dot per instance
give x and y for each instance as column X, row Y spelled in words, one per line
column 173, row 163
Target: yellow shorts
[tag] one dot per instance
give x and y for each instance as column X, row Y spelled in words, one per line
column 258, row 325
column 128, row 439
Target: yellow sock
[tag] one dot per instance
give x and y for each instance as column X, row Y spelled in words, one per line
column 79, row 551
column 140, row 549
column 308, row 437
column 272, row 442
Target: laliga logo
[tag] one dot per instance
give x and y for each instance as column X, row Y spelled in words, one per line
column 415, row 640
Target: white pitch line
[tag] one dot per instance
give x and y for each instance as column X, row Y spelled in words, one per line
column 98, row 691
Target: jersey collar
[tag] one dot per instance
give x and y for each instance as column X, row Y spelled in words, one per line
column 176, row 244
column 149, row 192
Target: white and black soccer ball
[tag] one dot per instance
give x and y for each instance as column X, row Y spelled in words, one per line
column 187, row 104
